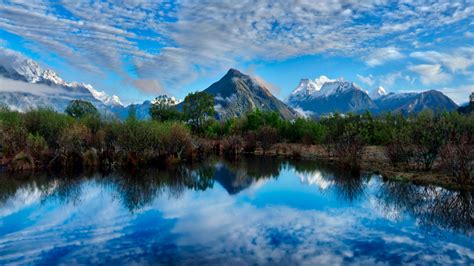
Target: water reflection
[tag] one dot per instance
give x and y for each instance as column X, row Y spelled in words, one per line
column 431, row 206
column 248, row 210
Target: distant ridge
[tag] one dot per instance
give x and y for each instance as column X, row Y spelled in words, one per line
column 324, row 96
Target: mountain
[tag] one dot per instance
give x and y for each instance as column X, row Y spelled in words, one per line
column 236, row 94
column 324, row 96
column 377, row 93
column 141, row 110
column 467, row 108
column 25, row 85
column 415, row 102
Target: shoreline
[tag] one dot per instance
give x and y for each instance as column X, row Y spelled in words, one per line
column 373, row 159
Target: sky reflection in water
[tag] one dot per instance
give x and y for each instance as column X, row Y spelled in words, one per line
column 245, row 212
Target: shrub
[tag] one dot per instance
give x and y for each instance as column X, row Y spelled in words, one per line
column 349, row 147
column 250, row 141
column 233, row 145
column 428, row 134
column 267, row 136
column 213, row 129
column 457, row 157
column 90, row 158
column 46, row 123
column 80, row 109
column 74, row 140
column 175, row 139
column 36, row 145
column 21, row 162
column 12, row 132
column 400, row 149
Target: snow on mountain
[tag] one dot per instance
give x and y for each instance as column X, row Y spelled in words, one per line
column 103, row 96
column 377, row 93
column 324, row 96
column 16, row 66
column 320, row 87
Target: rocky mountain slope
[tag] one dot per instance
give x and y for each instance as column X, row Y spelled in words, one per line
column 236, row 94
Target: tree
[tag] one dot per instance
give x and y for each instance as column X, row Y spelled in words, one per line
column 163, row 109
column 80, row 109
column 198, row 106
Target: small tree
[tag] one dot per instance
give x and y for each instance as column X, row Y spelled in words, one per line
column 198, row 106
column 80, row 109
column 164, row 109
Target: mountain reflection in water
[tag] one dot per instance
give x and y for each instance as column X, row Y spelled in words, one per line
column 252, row 210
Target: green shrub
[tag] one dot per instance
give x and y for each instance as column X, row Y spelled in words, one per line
column 46, row 123
column 37, row 145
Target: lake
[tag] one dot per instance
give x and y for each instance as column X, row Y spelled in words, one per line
column 247, row 211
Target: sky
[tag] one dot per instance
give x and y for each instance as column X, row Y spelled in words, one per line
column 141, row 49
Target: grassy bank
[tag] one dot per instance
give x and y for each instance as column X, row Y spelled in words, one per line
column 437, row 147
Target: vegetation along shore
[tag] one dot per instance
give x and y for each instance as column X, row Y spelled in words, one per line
column 431, row 147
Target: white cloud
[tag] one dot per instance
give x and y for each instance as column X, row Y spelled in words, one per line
column 430, row 74
column 383, row 55
column 194, row 38
column 459, row 61
column 149, row 86
column 369, row 80
column 459, row 94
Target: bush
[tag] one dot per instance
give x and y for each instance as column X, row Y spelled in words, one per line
column 349, row 147
column 457, row 157
column 267, row 137
column 428, row 134
column 74, row 140
column 36, row 145
column 233, row 145
column 12, row 132
column 174, row 139
column 21, row 162
column 400, row 149
column 80, row 109
column 250, row 141
column 46, row 123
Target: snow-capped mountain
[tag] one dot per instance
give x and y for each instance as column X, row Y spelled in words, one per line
column 323, row 96
column 377, row 93
column 25, row 85
column 415, row 102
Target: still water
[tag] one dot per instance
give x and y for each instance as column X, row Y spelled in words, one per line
column 249, row 211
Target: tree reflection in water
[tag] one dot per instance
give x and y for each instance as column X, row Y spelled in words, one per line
column 431, row 206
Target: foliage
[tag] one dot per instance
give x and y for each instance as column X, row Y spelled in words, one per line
column 80, row 109
column 46, row 123
column 198, row 107
column 164, row 109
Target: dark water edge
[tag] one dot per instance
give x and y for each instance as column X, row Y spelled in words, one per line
column 255, row 210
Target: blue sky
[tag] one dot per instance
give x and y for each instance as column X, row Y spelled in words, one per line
column 141, row 49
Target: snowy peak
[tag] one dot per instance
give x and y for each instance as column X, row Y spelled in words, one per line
column 102, row 96
column 14, row 65
column 377, row 93
column 308, row 87
column 320, row 87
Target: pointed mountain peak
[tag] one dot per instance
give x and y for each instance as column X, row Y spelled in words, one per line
column 377, row 93
column 234, row 73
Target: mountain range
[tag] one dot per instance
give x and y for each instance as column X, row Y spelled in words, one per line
column 324, row 96
column 25, row 85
